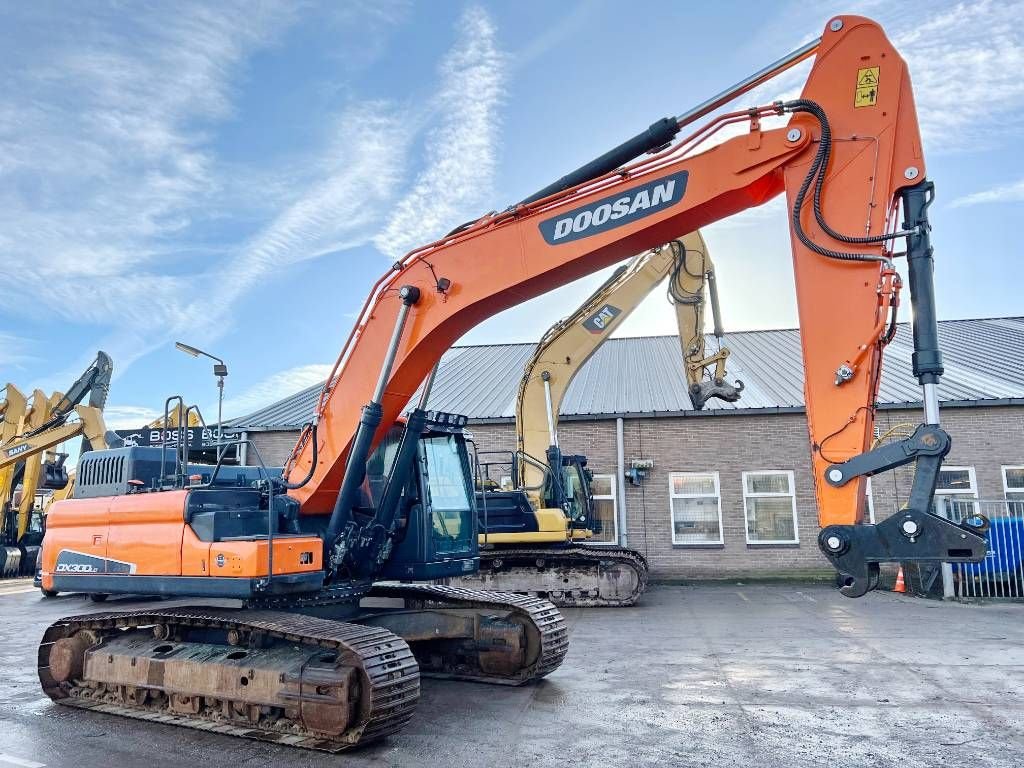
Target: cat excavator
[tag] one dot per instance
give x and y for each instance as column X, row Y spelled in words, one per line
column 533, row 535
column 330, row 639
column 27, row 463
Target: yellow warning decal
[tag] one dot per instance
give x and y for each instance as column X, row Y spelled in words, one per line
column 866, row 94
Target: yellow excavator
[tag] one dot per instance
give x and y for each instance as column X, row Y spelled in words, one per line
column 534, row 525
column 28, row 463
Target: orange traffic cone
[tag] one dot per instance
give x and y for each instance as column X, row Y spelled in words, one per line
column 901, row 585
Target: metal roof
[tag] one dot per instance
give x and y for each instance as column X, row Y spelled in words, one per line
column 643, row 376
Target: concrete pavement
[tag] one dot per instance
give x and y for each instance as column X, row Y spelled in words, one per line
column 707, row 675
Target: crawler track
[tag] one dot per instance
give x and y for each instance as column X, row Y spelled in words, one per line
column 387, row 689
column 578, row 576
column 546, row 628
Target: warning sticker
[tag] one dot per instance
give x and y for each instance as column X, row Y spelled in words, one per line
column 866, row 93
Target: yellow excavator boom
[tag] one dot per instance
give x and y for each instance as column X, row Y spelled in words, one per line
column 570, row 342
column 31, row 450
column 13, row 408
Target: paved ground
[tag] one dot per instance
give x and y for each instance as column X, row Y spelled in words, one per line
column 712, row 675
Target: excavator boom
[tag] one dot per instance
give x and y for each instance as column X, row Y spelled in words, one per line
column 569, row 343
column 845, row 161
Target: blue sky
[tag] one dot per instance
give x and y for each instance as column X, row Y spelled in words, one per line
column 236, row 175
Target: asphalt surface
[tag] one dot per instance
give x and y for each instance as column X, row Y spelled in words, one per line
column 711, row 675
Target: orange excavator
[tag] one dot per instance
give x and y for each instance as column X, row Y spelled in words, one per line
column 323, row 653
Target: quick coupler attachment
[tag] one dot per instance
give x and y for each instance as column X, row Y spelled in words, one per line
column 909, row 536
column 913, row 534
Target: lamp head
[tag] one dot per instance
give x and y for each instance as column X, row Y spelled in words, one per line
column 187, row 349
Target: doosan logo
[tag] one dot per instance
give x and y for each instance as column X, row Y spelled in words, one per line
column 615, row 211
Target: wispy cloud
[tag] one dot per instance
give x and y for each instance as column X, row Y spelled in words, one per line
column 275, row 387
column 110, row 170
column 14, row 352
column 105, row 155
column 965, row 62
column 1005, row 193
column 461, row 152
column 338, row 211
column 129, row 416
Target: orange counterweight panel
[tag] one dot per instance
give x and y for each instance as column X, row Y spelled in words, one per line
column 146, row 530
column 78, row 526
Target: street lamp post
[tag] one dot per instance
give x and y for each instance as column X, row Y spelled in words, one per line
column 220, row 370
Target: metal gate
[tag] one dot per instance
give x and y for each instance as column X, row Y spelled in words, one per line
column 1001, row 573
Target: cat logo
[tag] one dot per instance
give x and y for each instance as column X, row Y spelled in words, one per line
column 600, row 320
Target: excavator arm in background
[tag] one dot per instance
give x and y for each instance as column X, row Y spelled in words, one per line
column 31, row 449
column 568, row 344
column 693, row 271
column 849, row 160
column 13, row 409
column 27, row 433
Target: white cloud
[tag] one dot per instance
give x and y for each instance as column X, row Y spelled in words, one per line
column 107, row 167
column 965, row 63
column 341, row 210
column 14, row 352
column 129, row 416
column 274, row 388
column 461, row 152
column 1005, row 193
column 105, row 157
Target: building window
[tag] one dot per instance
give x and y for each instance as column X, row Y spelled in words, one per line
column 1013, row 489
column 605, row 521
column 955, row 493
column 696, row 507
column 769, row 505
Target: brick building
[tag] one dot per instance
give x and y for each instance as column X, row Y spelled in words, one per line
column 730, row 492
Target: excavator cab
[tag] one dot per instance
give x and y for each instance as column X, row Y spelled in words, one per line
column 436, row 534
column 569, row 489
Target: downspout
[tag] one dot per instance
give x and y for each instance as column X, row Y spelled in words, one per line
column 243, row 456
column 620, row 481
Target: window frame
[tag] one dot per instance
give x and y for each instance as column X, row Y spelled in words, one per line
column 791, row 496
column 615, row 508
column 672, row 512
column 1006, row 488
column 972, row 492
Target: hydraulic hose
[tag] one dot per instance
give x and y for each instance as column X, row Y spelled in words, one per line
column 312, row 464
column 816, row 175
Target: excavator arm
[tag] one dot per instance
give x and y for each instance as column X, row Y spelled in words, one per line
column 568, row 344
column 848, row 160
column 30, row 449
column 13, row 409
column 692, row 273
